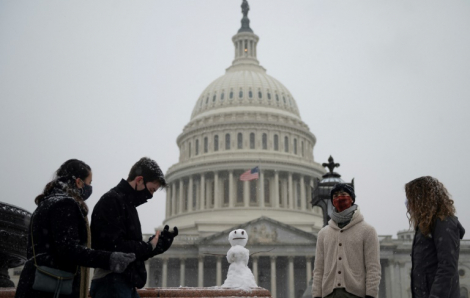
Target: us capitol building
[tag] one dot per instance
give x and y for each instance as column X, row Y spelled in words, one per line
column 243, row 119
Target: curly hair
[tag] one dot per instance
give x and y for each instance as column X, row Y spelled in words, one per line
column 428, row 200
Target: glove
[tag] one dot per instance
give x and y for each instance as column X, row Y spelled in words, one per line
column 165, row 240
column 118, row 261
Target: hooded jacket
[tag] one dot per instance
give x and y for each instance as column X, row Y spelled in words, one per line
column 115, row 226
column 347, row 257
column 60, row 233
column 434, row 260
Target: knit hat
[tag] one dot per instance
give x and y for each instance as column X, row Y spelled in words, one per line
column 343, row 187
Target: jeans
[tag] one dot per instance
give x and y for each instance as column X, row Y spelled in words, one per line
column 112, row 285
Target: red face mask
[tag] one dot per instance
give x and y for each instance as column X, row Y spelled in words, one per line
column 342, row 203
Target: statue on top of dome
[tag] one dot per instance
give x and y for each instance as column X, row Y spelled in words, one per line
column 245, row 8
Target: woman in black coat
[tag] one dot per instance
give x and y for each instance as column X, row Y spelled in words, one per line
column 436, row 245
column 61, row 235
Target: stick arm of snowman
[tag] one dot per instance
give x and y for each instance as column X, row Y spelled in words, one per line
column 220, row 255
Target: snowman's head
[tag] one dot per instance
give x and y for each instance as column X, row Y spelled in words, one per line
column 238, row 237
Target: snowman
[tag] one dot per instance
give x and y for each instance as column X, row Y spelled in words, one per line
column 239, row 275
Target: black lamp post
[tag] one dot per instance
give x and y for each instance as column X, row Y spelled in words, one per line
column 321, row 190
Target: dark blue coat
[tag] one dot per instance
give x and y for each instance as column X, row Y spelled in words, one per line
column 435, row 258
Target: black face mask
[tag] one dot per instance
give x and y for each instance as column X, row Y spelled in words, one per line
column 85, row 191
column 143, row 195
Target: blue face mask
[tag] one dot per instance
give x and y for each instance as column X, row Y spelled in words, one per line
column 85, row 191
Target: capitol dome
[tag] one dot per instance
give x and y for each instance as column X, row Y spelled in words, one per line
column 242, row 120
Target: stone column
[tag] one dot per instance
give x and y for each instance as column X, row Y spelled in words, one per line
column 261, row 188
column 203, row 192
column 190, row 193
column 276, row 189
column 181, row 199
column 231, row 201
column 273, row 277
column 167, row 204
column 164, row 272
column 182, row 271
column 246, row 193
column 303, row 198
column 216, row 191
column 290, row 192
column 218, row 277
column 147, row 268
column 291, row 276
column 308, row 260
column 173, row 198
column 254, row 259
column 200, row 275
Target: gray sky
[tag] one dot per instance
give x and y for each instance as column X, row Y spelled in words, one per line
column 383, row 85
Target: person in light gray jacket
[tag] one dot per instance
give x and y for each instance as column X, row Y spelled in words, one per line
column 347, row 260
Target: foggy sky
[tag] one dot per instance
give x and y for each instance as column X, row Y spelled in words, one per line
column 383, row 85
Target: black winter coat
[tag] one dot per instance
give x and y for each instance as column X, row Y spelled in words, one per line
column 115, row 226
column 435, row 258
column 60, row 237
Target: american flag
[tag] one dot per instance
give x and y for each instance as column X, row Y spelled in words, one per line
column 250, row 174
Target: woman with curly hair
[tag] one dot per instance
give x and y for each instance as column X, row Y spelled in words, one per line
column 436, row 244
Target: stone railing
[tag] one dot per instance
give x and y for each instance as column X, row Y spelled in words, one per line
column 181, row 292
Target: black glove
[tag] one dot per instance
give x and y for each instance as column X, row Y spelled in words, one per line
column 165, row 240
column 118, row 261
column 367, row 296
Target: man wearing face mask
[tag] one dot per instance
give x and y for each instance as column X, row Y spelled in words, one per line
column 347, row 260
column 115, row 226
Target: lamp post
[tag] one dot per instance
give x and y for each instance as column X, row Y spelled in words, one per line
column 321, row 190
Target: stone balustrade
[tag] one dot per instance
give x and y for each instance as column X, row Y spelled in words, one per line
column 181, row 292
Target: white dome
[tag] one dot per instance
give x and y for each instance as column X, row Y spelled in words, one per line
column 246, row 88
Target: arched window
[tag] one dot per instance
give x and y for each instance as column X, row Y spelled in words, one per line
column 189, row 149
column 213, row 97
column 194, row 195
column 281, row 195
column 227, row 141
column 302, row 148
column 216, row 143
column 284, row 98
column 231, row 94
column 295, row 146
column 206, row 145
column 286, row 144
column 276, row 143
column 250, row 94
column 253, row 192
column 269, row 96
column 267, row 192
column 260, row 95
column 277, row 97
column 252, row 141
column 197, row 146
column 240, row 191
column 298, row 195
column 265, row 141
column 185, row 196
column 207, row 99
column 226, row 193
column 213, row 193
column 222, row 96
column 240, row 140
column 240, row 94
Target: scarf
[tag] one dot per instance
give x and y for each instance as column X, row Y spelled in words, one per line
column 344, row 216
column 84, row 271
